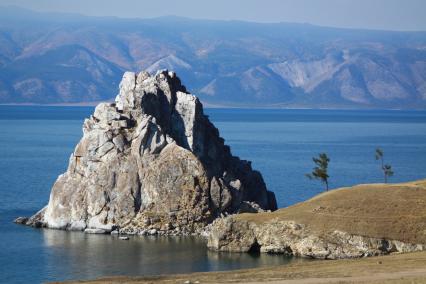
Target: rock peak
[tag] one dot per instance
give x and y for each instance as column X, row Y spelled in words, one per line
column 151, row 162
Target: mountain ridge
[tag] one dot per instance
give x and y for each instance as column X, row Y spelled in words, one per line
column 252, row 64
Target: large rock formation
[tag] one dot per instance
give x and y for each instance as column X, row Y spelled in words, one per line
column 151, row 162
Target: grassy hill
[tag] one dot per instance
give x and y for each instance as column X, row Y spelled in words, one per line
column 388, row 211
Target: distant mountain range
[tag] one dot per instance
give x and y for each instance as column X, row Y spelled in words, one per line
column 50, row 58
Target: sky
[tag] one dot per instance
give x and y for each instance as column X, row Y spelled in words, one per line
column 368, row 14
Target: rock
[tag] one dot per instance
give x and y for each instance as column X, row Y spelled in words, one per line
column 119, row 142
column 148, row 160
column 250, row 207
column 21, row 220
column 95, row 231
column 37, row 219
column 287, row 237
column 232, row 236
column 106, row 113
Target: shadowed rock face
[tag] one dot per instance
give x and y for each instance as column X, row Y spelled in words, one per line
column 151, row 162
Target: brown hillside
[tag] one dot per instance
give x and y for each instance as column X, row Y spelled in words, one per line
column 390, row 211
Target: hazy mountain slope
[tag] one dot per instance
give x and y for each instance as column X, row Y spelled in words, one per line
column 63, row 74
column 223, row 62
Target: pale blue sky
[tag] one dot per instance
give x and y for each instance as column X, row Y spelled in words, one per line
column 370, row 14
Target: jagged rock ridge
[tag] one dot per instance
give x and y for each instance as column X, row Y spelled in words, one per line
column 151, row 162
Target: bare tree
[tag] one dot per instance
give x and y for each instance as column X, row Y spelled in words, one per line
column 386, row 168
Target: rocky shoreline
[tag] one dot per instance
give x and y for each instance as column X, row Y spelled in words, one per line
column 361, row 221
column 293, row 239
column 309, row 229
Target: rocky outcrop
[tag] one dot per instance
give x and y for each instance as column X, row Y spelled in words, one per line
column 290, row 238
column 151, row 162
column 362, row 220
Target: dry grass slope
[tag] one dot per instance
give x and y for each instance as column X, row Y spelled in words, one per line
column 390, row 211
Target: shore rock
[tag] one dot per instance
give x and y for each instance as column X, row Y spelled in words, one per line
column 96, row 231
column 151, row 161
column 290, row 238
column 21, row 220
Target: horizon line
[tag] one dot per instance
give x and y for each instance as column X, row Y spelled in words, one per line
column 209, row 19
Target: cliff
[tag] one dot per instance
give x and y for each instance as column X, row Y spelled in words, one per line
column 151, row 163
column 360, row 221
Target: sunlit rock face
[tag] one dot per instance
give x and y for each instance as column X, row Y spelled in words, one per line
column 151, row 162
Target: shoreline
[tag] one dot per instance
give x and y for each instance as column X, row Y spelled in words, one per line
column 394, row 268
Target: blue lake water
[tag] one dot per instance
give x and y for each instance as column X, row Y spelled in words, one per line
column 35, row 144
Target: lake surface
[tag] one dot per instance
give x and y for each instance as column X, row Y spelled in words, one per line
column 36, row 142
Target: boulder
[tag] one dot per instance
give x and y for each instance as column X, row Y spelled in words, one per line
column 21, row 220
column 96, row 231
column 151, row 162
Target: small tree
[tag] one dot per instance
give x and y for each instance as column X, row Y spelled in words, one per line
column 386, row 168
column 320, row 170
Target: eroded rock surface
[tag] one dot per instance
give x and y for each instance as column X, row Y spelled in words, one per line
column 151, row 163
column 290, row 238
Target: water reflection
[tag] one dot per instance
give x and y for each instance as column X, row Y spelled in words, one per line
column 75, row 255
